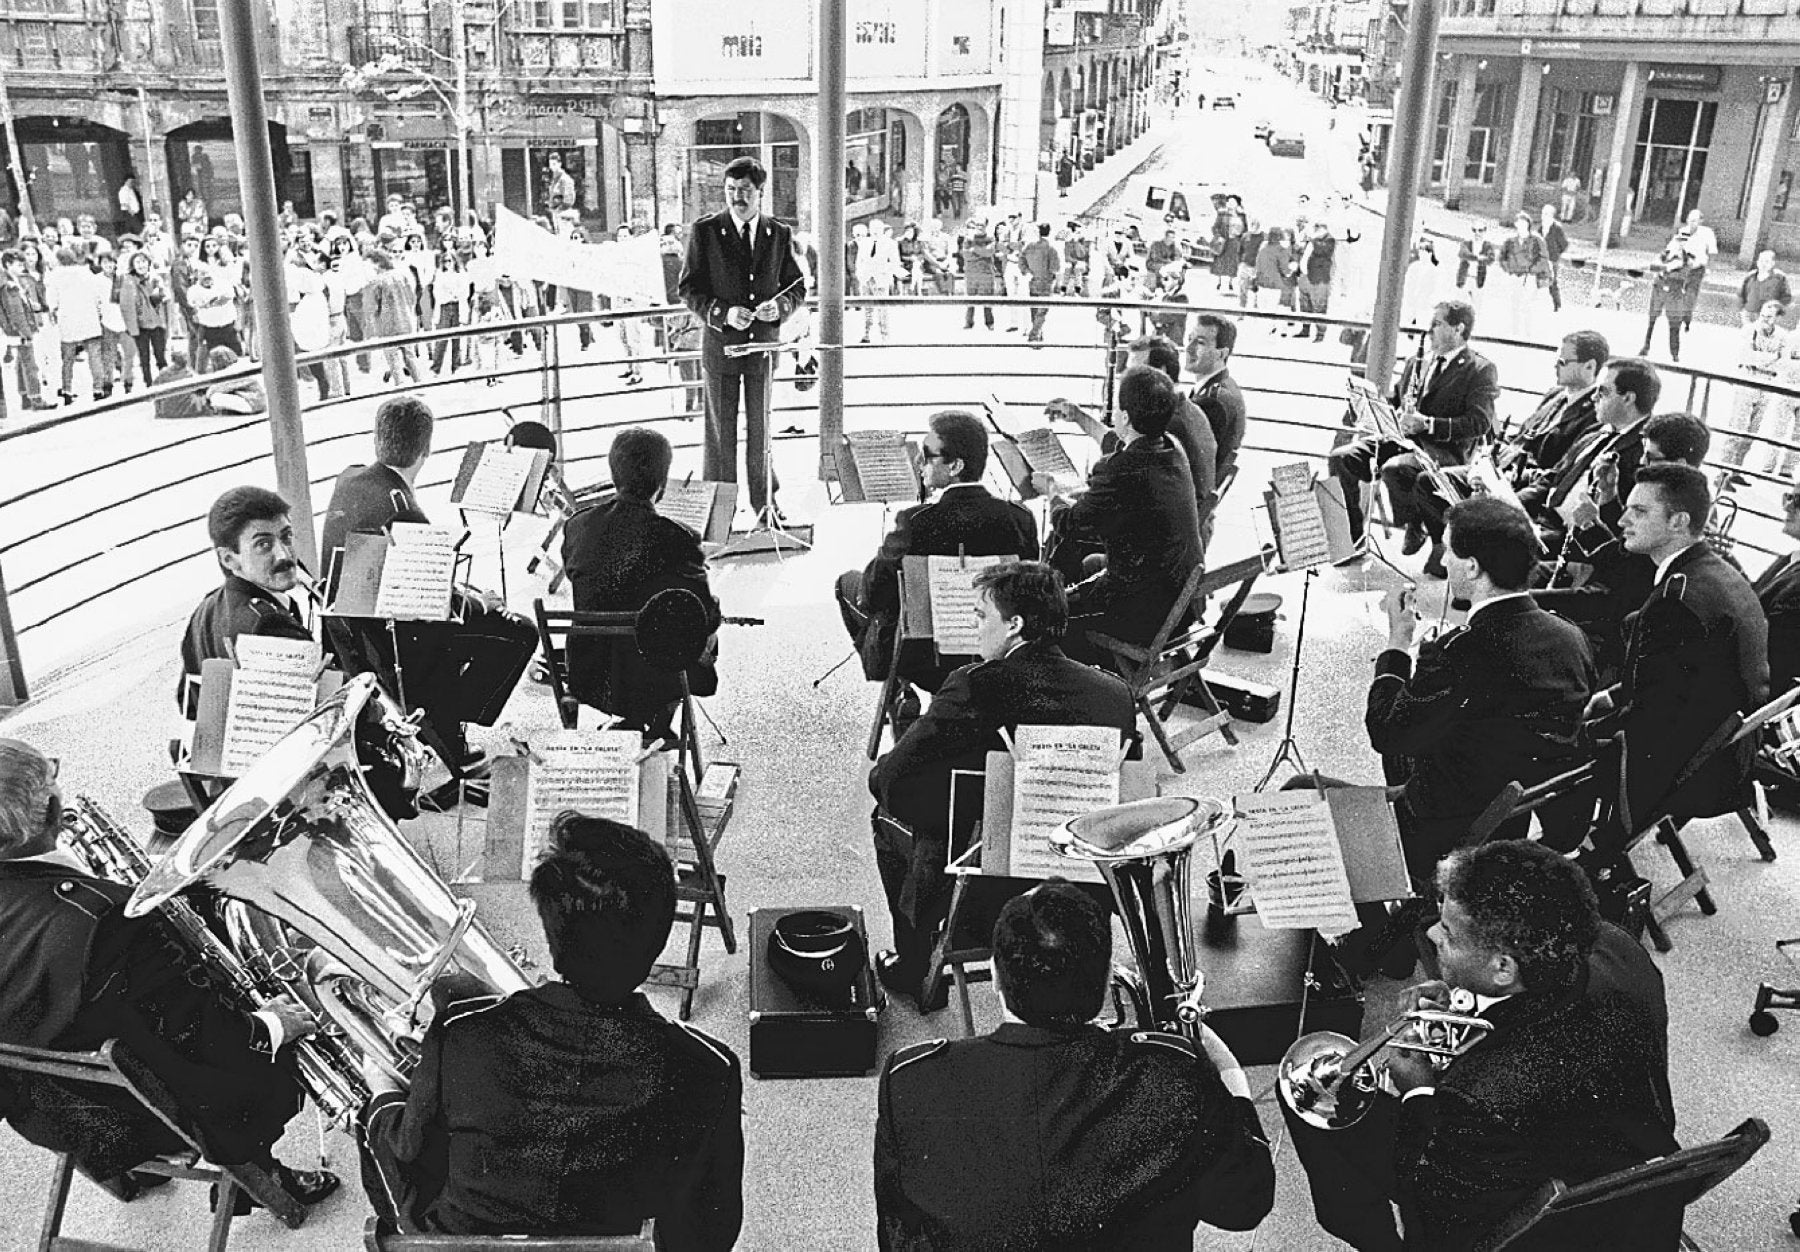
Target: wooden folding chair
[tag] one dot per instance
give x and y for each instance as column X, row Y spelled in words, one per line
column 1164, row 672
column 1687, row 1175
column 376, row 1240
column 113, row 1065
column 914, row 626
column 1754, row 726
column 702, row 804
column 564, row 504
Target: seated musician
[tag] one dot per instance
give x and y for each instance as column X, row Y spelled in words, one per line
column 1564, row 415
column 1023, row 678
column 572, row 1107
column 1216, row 393
column 617, row 555
column 1139, row 504
column 1778, row 590
column 963, row 519
column 1617, row 580
column 254, row 543
column 79, row 972
column 1445, row 401
column 1052, row 1132
column 457, row 671
column 1624, row 399
column 1188, row 427
column 1572, row 1082
column 1696, row 652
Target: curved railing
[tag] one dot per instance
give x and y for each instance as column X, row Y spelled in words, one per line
column 102, row 510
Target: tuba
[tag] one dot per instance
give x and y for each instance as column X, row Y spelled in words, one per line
column 1144, row 850
column 1327, row 1078
column 347, row 916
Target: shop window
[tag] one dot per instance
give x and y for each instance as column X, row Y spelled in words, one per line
column 206, row 20
column 299, row 187
column 769, row 137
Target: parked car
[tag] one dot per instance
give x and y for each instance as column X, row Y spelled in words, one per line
column 1224, row 100
column 1262, row 129
column 1154, row 202
column 1287, row 143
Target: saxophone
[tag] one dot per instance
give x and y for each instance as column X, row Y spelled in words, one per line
column 327, row 1068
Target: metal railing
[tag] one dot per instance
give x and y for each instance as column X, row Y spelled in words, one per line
column 100, row 528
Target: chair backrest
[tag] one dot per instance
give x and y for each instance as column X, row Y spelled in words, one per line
column 374, row 1240
column 1201, row 584
column 557, row 626
column 1685, row 1175
column 1754, row 723
column 110, row 1065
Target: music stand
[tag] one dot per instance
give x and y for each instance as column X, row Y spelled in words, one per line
column 1289, row 748
column 770, row 532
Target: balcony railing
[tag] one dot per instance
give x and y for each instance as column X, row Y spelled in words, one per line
column 413, row 37
column 566, row 53
column 56, row 44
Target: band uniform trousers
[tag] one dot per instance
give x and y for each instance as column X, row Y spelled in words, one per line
column 752, row 378
column 1354, row 464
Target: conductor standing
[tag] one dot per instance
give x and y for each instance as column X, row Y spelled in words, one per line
column 741, row 279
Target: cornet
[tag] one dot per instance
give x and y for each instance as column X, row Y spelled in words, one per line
column 1327, row 1078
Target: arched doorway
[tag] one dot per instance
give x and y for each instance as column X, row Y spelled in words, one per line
column 73, row 166
column 718, row 140
column 203, row 159
column 954, row 147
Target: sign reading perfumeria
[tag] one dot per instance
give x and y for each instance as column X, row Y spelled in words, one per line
column 701, row 46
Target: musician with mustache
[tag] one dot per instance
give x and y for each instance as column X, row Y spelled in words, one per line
column 253, row 540
column 1624, row 399
column 78, row 972
column 1571, row 1083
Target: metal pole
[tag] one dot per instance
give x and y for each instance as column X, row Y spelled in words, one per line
column 268, row 287
column 828, row 214
column 1406, row 170
column 13, row 158
column 464, row 180
column 150, row 158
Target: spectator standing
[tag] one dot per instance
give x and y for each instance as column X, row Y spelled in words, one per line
column 980, row 271
column 1316, row 261
column 1077, row 260
column 1228, row 244
column 1248, row 251
column 1761, row 285
column 877, row 269
column 76, row 295
column 1275, row 273
column 1766, row 355
column 1526, row 264
column 20, row 321
column 1669, row 292
column 452, row 293
column 390, row 304
column 144, row 301
column 1702, row 246
column 1171, row 326
column 1041, row 264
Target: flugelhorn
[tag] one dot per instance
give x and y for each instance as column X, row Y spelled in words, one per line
column 1329, row 1081
column 1144, row 850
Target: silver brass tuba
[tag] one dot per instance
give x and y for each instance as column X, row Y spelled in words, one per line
column 302, row 841
column 1144, row 850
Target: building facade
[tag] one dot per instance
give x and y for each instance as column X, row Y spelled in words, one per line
column 1638, row 111
column 1100, row 62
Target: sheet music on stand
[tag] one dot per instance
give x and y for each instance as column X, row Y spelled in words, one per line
column 951, row 587
column 496, row 479
column 1059, row 773
column 417, row 572
column 1298, row 518
column 1040, row 450
column 593, row 772
column 690, row 502
column 1373, row 412
column 884, row 468
column 273, row 690
column 1288, row 847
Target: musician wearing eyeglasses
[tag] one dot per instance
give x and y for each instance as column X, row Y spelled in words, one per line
column 1052, row 1132
column 253, row 540
column 618, row 555
column 456, row 671
column 1778, row 590
column 1023, row 678
column 1446, row 400
column 573, row 1107
column 964, row 519
column 78, row 973
column 1571, row 1082
column 1624, row 399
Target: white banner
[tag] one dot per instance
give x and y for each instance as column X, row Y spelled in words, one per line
column 630, row 271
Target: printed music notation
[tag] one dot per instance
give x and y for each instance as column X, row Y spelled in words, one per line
column 690, row 502
column 593, row 772
column 1045, row 454
column 416, row 573
column 884, row 465
column 1373, row 412
column 273, row 690
column 1288, row 847
column 498, row 479
column 951, row 586
column 1059, row 773
column 1299, row 519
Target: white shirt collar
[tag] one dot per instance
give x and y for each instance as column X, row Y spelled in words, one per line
column 1201, row 382
column 1662, row 567
column 949, row 487
column 55, row 856
column 1492, row 600
column 753, row 223
column 1455, row 352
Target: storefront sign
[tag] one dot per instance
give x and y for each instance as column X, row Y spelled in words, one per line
column 886, row 40
column 1686, row 77
column 960, row 38
column 702, row 41
column 551, row 106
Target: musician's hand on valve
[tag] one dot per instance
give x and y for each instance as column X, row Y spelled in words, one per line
column 296, row 1021
column 1606, row 477
column 1407, row 1070
column 1415, row 425
column 738, row 317
column 1433, row 993
column 1402, row 616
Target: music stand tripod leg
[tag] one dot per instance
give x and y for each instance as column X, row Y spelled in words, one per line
column 1289, row 748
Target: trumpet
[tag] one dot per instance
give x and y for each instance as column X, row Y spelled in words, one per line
column 1328, row 1080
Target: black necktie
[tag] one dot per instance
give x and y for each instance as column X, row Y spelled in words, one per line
column 749, row 239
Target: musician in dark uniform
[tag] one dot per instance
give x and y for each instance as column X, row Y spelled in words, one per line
column 1139, row 503
column 1778, row 590
column 574, row 1107
column 1571, row 1083
column 742, row 280
column 1023, row 678
column 1446, row 401
column 1052, row 1132
column 619, row 554
column 254, row 543
column 78, row 972
column 963, row 519
column 457, row 671
column 1697, row 652
column 1624, row 399
column 1216, row 393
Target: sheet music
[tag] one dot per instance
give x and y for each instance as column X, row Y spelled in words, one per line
column 1485, row 479
column 1372, row 409
column 689, row 502
column 416, row 574
column 952, row 589
column 593, row 772
column 1045, row 454
column 1059, row 773
column 273, row 690
column 1288, row 849
column 1299, row 519
column 884, row 466
column 499, row 477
